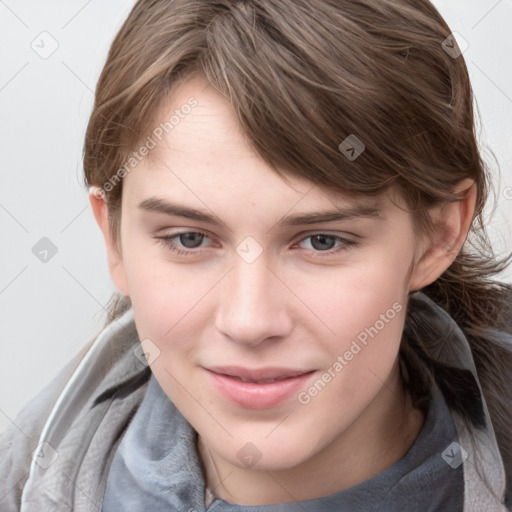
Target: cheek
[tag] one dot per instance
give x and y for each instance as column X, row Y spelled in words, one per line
column 366, row 310
column 170, row 309
column 364, row 306
column 170, row 301
column 351, row 298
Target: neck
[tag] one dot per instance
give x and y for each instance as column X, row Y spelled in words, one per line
column 378, row 438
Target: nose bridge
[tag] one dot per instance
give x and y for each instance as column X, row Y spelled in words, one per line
column 250, row 282
column 252, row 307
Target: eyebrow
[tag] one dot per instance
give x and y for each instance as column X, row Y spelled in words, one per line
column 157, row 205
column 346, row 213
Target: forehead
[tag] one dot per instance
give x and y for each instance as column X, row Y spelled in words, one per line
column 202, row 156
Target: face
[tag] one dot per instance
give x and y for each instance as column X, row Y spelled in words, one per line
column 275, row 307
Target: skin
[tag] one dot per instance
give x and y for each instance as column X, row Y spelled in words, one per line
column 294, row 306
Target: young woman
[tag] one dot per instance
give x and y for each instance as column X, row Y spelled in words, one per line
column 291, row 195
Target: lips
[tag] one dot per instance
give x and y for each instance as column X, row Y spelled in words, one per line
column 259, row 388
column 260, row 375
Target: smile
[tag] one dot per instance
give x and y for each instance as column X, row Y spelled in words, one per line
column 257, row 389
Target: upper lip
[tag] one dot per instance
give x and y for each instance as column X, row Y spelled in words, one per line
column 258, row 373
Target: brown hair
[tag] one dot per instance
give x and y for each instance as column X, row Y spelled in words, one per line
column 302, row 76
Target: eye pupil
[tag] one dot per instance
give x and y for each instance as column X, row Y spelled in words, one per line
column 191, row 240
column 322, row 242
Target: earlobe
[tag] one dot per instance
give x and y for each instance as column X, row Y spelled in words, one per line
column 452, row 222
column 114, row 256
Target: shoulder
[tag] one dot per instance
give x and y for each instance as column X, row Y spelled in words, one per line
column 106, row 368
column 19, row 440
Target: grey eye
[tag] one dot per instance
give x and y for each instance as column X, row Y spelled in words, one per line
column 191, row 240
column 322, row 242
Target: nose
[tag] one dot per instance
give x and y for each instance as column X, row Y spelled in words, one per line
column 253, row 307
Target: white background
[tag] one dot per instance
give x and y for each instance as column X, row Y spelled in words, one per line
column 49, row 310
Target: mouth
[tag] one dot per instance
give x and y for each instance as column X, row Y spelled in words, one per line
column 261, row 388
column 262, row 375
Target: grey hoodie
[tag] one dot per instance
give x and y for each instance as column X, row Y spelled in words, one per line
column 57, row 454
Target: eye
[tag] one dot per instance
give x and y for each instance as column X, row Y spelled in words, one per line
column 184, row 243
column 191, row 240
column 323, row 242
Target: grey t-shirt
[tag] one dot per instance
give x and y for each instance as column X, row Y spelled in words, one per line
column 156, row 468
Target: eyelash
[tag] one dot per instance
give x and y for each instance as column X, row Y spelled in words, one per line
column 168, row 241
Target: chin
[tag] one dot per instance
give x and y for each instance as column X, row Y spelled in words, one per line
column 264, row 455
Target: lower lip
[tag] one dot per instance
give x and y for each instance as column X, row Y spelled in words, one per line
column 253, row 395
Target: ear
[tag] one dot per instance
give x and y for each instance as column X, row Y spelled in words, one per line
column 452, row 222
column 114, row 256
